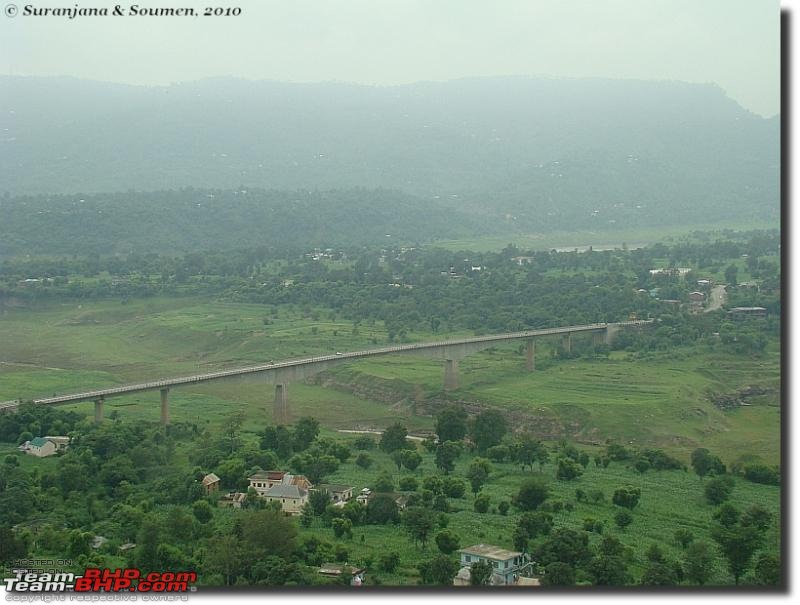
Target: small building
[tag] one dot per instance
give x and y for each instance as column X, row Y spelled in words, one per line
column 291, row 497
column 61, row 441
column 233, row 499
column 697, row 297
column 363, row 497
column 740, row 313
column 263, row 480
column 507, row 564
column 211, row 483
column 704, row 283
column 339, row 494
column 336, row 570
column 40, row 447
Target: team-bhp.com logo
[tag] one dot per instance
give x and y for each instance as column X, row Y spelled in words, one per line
column 105, row 580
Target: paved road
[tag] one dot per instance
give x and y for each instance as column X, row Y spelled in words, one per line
column 716, row 298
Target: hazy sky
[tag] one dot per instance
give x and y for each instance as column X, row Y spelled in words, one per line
column 734, row 43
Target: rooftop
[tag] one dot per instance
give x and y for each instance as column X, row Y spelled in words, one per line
column 284, row 491
column 210, row 478
column 490, row 552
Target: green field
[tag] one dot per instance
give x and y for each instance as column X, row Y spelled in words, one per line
column 662, row 399
column 600, row 239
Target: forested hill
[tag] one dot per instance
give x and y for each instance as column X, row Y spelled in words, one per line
column 190, row 220
column 549, row 153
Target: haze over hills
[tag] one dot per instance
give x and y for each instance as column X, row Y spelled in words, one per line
column 510, row 153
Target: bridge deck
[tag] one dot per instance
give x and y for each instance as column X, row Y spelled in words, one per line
column 171, row 382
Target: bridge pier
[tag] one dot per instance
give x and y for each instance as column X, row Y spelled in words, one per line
column 280, row 408
column 530, row 353
column 98, row 410
column 566, row 343
column 450, row 374
column 164, row 407
column 599, row 338
column 611, row 332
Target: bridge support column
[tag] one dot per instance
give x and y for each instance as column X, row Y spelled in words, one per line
column 530, row 353
column 98, row 410
column 599, row 338
column 164, row 407
column 611, row 332
column 450, row 374
column 280, row 409
column 566, row 343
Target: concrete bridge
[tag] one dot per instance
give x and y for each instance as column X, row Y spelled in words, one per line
column 282, row 373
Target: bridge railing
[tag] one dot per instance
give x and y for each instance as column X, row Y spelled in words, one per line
column 170, row 382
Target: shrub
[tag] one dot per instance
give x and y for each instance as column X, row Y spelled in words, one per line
column 482, row 503
column 532, row 494
column 453, row 487
column 389, row 561
column 761, row 473
column 568, row 469
column 718, row 490
column 364, row 460
column 623, row 518
column 408, row 484
column 627, row 497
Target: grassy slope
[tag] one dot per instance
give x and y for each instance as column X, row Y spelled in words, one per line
column 599, row 239
column 661, row 400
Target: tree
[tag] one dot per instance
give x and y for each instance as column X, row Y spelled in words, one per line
column 342, row 528
column 440, row 570
column 446, row 455
column 718, row 490
column 451, row 424
column 384, row 483
column 623, row 519
column 480, row 573
column 389, row 561
column 453, row 487
column 503, row 507
column 11, row 546
column 627, row 497
column 704, row 463
column 488, row 429
column 318, row 500
column 202, row 511
column 731, row 272
column 418, row 523
column 565, row 545
column 531, row 494
column 408, row 484
column 447, row 541
column 305, row 431
column 535, row 524
column 478, row 473
column 481, row 503
column 364, row 442
column 410, row 459
column 756, row 516
column 224, row 555
column 568, row 469
column 698, row 562
column 364, row 460
column 558, row 574
column 268, row 532
column 382, row 509
column 738, row 544
column 768, row 570
column 278, row 439
column 394, row 438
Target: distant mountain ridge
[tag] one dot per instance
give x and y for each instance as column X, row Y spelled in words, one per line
column 542, row 153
